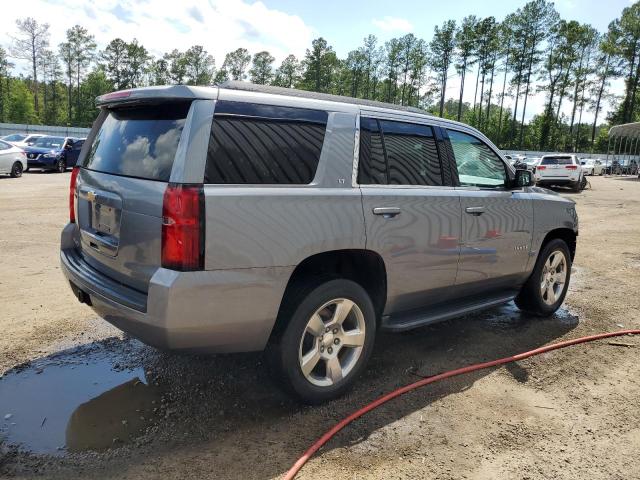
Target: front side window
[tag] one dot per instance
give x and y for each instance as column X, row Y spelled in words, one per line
column 4, row 146
column 398, row 153
column 478, row 165
column 264, row 144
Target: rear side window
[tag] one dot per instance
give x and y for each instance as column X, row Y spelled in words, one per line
column 372, row 164
column 556, row 161
column 264, row 144
column 398, row 153
column 138, row 142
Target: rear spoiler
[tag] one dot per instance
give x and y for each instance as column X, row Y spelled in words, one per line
column 156, row 94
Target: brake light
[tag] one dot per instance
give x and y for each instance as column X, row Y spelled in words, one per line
column 183, row 227
column 541, row 167
column 571, row 167
column 115, row 95
column 72, row 194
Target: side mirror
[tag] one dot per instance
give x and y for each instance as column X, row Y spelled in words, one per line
column 524, row 178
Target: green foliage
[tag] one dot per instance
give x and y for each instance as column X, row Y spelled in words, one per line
column 261, row 71
column 21, row 105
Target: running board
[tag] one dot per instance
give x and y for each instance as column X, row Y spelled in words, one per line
column 408, row 320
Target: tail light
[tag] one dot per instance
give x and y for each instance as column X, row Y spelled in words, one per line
column 571, row 167
column 183, row 227
column 72, row 194
column 541, row 167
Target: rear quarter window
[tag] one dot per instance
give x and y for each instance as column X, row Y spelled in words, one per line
column 139, row 141
column 264, row 144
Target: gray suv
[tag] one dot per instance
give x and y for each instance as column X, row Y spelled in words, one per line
column 249, row 218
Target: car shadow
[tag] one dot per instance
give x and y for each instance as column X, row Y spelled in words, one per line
column 227, row 409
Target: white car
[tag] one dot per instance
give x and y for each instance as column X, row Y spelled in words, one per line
column 560, row 170
column 22, row 139
column 13, row 160
column 592, row 166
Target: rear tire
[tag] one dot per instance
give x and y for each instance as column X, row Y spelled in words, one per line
column 327, row 340
column 577, row 186
column 546, row 288
column 16, row 170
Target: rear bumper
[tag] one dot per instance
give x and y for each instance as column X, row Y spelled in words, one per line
column 219, row 311
column 556, row 181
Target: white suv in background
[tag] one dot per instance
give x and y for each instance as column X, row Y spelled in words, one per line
column 560, row 169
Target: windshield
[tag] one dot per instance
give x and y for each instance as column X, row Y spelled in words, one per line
column 48, row 142
column 16, row 137
column 556, row 161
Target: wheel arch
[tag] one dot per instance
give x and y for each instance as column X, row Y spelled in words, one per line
column 569, row 236
column 365, row 267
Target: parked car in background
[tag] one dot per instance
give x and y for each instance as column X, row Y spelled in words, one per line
column 22, row 139
column 532, row 163
column 12, row 159
column 560, row 170
column 238, row 219
column 53, row 153
column 592, row 166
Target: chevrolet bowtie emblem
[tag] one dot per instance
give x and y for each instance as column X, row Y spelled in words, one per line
column 91, row 196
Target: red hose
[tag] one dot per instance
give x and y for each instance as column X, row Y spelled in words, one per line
column 293, row 471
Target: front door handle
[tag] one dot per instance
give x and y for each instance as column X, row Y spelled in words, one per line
column 387, row 212
column 476, row 211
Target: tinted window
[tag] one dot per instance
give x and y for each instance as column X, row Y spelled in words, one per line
column 138, row 142
column 556, row 161
column 4, row 146
column 477, row 164
column 78, row 145
column 412, row 154
column 264, row 144
column 372, row 166
column 403, row 154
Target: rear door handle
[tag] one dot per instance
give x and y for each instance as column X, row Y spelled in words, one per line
column 477, row 211
column 387, row 212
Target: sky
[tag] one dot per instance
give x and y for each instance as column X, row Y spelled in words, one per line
column 280, row 26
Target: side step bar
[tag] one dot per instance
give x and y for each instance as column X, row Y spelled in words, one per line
column 408, row 320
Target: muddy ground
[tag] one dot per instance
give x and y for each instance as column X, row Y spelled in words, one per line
column 79, row 399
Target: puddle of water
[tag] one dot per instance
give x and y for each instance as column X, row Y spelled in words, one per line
column 509, row 317
column 75, row 404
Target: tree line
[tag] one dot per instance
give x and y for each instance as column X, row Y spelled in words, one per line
column 531, row 52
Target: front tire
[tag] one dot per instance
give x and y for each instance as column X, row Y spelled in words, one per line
column 61, row 166
column 546, row 288
column 327, row 341
column 16, row 170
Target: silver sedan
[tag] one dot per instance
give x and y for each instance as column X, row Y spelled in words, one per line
column 13, row 160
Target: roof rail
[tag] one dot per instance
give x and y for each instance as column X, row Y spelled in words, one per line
column 252, row 87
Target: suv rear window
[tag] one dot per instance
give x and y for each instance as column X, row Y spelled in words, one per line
column 556, row 161
column 264, row 144
column 139, row 141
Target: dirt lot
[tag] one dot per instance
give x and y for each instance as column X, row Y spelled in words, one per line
column 73, row 383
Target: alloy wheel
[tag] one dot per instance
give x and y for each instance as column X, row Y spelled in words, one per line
column 554, row 276
column 332, row 342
